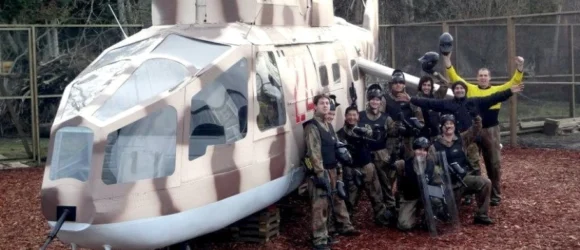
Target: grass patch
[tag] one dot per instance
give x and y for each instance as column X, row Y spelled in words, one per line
column 527, row 110
column 13, row 149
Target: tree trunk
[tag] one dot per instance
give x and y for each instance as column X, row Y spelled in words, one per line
column 122, row 14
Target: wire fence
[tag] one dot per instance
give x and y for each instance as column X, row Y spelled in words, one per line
column 36, row 63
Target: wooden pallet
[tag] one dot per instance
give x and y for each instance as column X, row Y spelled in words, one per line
column 260, row 227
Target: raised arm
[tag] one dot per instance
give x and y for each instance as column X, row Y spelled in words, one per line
column 453, row 76
column 516, row 78
column 471, row 134
column 418, row 114
column 313, row 150
column 437, row 105
column 442, row 91
column 484, row 103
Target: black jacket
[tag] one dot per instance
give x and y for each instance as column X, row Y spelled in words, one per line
column 462, row 107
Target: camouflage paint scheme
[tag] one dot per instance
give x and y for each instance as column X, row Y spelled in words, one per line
column 230, row 181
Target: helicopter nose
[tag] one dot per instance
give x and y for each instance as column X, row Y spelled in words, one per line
column 74, row 198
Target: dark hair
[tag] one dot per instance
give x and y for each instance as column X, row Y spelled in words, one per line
column 351, row 108
column 459, row 83
column 320, row 96
column 425, row 79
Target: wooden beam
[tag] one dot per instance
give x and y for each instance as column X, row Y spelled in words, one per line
column 511, row 49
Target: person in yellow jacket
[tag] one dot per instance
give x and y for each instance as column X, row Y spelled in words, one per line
column 490, row 138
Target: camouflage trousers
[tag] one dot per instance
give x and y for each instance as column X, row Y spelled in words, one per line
column 408, row 147
column 409, row 211
column 473, row 157
column 370, row 185
column 322, row 210
column 387, row 176
column 478, row 185
column 491, row 152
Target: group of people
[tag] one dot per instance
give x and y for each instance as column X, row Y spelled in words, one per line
column 385, row 141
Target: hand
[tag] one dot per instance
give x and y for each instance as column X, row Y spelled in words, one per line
column 403, row 97
column 517, row 88
column 520, row 63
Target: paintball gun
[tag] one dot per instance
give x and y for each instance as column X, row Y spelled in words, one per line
column 413, row 129
column 342, row 153
column 363, row 133
column 458, row 172
column 324, row 183
column 353, row 96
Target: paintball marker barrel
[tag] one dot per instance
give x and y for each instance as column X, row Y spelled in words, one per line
column 458, row 172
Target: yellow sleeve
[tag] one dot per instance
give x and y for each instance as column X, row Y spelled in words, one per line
column 454, row 77
column 516, row 79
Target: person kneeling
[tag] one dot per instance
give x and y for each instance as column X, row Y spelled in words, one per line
column 409, row 186
column 464, row 178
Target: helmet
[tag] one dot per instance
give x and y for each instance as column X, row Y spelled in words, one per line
column 421, row 143
column 447, row 117
column 428, row 61
column 397, row 76
column 445, row 43
column 374, row 91
column 342, row 154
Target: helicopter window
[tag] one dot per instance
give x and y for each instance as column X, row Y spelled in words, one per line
column 336, row 73
column 85, row 88
column 219, row 111
column 152, row 78
column 354, row 69
column 272, row 110
column 73, row 150
column 196, row 52
column 132, row 49
column 323, row 75
column 144, row 149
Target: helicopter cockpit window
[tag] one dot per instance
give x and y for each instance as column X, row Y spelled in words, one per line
column 142, row 150
column 323, row 75
column 85, row 88
column 152, row 78
column 336, row 73
column 354, row 69
column 196, row 52
column 73, row 150
column 219, row 111
column 270, row 93
column 133, row 49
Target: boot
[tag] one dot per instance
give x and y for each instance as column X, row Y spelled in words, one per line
column 482, row 219
column 321, row 247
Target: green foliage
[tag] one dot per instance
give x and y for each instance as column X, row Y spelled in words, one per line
column 34, row 11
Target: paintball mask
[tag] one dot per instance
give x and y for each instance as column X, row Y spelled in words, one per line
column 445, row 118
column 374, row 91
column 397, row 76
column 421, row 143
column 445, row 43
column 428, row 61
column 342, row 153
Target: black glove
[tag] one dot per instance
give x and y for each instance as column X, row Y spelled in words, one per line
column 361, row 131
column 402, row 130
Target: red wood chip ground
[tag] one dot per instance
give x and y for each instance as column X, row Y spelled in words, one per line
column 540, row 209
